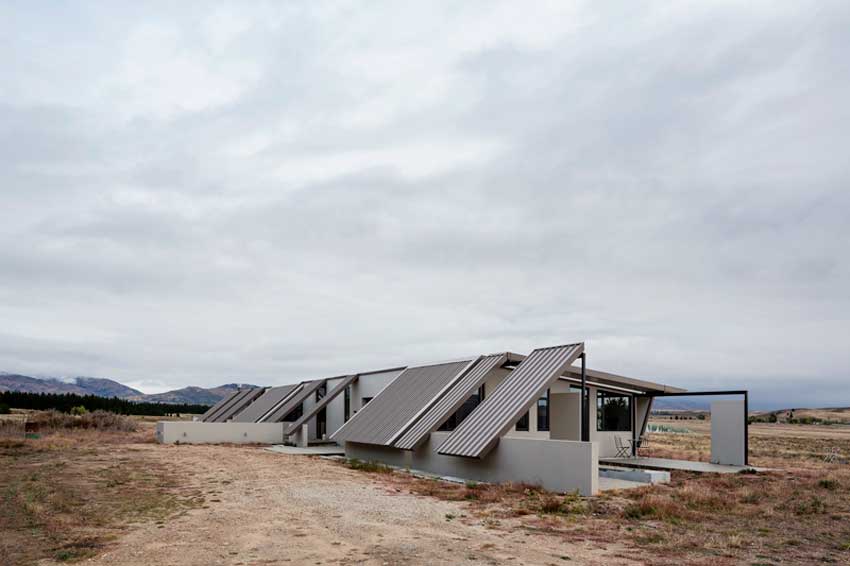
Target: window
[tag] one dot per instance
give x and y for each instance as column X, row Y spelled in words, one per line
column 613, row 412
column 364, row 400
column 543, row 412
column 347, row 404
column 295, row 413
column 522, row 423
column 469, row 406
column 321, row 392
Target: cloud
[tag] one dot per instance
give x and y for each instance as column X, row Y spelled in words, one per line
column 264, row 193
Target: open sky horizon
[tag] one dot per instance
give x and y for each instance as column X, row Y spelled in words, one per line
column 201, row 193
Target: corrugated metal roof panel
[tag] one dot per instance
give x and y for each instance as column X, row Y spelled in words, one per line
column 446, row 406
column 281, row 412
column 240, row 404
column 481, row 430
column 217, row 406
column 387, row 415
column 323, row 402
column 264, row 403
column 214, row 418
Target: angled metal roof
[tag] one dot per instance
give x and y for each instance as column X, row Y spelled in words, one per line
column 394, row 409
column 265, row 403
column 293, row 401
column 217, row 406
column 481, row 430
column 450, row 402
column 323, row 402
column 214, row 418
column 240, row 405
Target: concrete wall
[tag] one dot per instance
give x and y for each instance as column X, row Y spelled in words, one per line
column 185, row 432
column 336, row 408
column 565, row 417
column 556, row 465
column 369, row 386
column 728, row 425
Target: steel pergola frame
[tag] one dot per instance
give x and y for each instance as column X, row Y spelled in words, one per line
column 743, row 392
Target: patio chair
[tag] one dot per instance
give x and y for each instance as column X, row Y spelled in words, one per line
column 623, row 449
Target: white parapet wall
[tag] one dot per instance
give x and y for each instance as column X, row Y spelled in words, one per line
column 557, row 465
column 185, row 432
column 728, row 433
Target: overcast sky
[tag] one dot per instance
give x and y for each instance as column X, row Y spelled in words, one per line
column 265, row 193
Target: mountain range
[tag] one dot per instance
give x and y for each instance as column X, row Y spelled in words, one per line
column 104, row 387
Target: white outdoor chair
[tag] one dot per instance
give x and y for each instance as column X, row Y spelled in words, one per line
column 623, row 449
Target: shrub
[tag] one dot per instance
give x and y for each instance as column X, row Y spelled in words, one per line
column 78, row 410
column 374, row 467
column 828, row 483
column 98, row 420
column 814, row 506
column 4, row 409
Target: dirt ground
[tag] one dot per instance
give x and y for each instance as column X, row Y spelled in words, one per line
column 119, row 499
column 264, row 508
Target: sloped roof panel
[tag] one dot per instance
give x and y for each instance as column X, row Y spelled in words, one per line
column 264, row 403
column 214, row 418
column 282, row 411
column 399, row 403
column 481, row 430
column 323, row 402
column 240, row 405
column 446, row 406
column 217, row 406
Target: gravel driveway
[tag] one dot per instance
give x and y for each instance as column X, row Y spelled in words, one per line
column 264, row 508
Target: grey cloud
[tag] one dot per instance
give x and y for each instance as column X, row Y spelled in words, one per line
column 259, row 193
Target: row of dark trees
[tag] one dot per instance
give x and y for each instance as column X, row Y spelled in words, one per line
column 66, row 401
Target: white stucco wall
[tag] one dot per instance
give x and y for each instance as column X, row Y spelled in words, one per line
column 557, row 465
column 728, row 426
column 185, row 432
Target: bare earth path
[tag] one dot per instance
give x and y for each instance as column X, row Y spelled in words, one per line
column 264, row 508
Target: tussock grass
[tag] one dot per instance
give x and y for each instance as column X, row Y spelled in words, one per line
column 67, row 494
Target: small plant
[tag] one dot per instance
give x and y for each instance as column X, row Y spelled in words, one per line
column 828, row 484
column 4, row 409
column 372, row 467
column 449, row 516
column 79, row 410
column 814, row 506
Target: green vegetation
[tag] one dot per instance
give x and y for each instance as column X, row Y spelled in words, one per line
column 374, row 467
column 78, row 410
column 67, row 403
column 4, row 409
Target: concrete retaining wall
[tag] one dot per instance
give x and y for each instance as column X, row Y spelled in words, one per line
column 556, row 465
column 184, row 432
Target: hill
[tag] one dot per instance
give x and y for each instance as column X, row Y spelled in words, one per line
column 192, row 395
column 103, row 387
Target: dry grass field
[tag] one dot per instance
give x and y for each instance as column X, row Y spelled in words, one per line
column 107, row 497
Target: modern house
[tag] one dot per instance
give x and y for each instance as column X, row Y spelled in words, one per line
column 542, row 418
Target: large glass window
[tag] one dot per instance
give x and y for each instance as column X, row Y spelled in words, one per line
column 295, row 413
column 464, row 410
column 613, row 412
column 522, row 423
column 347, row 404
column 543, row 412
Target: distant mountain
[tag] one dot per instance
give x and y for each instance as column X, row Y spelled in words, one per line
column 27, row 384
column 103, row 387
column 193, row 395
